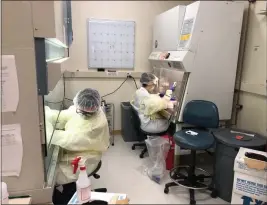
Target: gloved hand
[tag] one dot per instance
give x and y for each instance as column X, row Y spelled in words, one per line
column 171, row 104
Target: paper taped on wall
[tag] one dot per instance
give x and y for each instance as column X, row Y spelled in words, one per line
column 12, row 150
column 9, row 83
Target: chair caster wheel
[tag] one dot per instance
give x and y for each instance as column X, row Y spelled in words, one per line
column 214, row 194
column 166, row 190
column 141, row 156
column 201, row 175
column 192, row 202
column 133, row 147
column 96, row 176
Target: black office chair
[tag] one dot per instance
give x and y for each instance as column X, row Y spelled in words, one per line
column 142, row 134
column 204, row 116
column 69, row 190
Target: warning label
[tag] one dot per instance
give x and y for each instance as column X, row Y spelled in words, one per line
column 250, row 187
column 186, row 32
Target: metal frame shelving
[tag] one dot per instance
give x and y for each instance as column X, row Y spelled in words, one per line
column 110, row 115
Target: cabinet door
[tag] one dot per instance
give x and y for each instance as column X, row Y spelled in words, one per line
column 67, row 22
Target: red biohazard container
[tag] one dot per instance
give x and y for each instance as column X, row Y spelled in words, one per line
column 170, row 155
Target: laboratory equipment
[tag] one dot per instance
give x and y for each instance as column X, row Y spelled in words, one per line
column 35, row 32
column 203, row 61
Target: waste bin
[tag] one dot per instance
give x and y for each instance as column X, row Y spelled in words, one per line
column 228, row 142
column 128, row 131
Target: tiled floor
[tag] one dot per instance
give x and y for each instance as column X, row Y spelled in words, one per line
column 122, row 171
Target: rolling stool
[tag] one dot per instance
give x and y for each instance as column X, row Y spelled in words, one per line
column 202, row 115
column 143, row 134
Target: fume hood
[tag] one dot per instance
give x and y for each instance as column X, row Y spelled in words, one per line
column 202, row 57
column 38, row 34
column 53, row 34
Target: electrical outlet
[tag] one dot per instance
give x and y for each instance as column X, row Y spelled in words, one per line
column 128, row 74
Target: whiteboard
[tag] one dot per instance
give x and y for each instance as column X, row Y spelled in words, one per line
column 110, row 44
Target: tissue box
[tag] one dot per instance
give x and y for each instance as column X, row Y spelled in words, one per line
column 250, row 179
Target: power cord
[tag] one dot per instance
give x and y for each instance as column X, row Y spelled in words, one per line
column 64, row 87
column 128, row 76
column 116, row 89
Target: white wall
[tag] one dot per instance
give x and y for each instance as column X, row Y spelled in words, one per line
column 143, row 13
column 253, row 82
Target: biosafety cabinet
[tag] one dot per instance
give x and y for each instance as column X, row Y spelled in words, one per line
column 197, row 46
column 37, row 34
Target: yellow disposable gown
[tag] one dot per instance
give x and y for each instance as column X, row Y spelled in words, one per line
column 148, row 106
column 152, row 105
column 51, row 116
column 86, row 137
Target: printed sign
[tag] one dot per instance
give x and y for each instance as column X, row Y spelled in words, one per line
column 186, row 32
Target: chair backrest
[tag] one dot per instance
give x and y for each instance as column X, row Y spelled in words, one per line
column 200, row 113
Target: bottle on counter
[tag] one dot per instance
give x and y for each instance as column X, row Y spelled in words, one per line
column 5, row 195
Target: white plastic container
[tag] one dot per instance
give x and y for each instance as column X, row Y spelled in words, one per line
column 168, row 95
column 83, row 185
column 4, row 196
column 249, row 184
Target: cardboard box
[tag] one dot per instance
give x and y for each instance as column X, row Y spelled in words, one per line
column 250, row 184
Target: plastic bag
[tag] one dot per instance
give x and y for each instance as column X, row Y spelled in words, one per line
column 157, row 149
